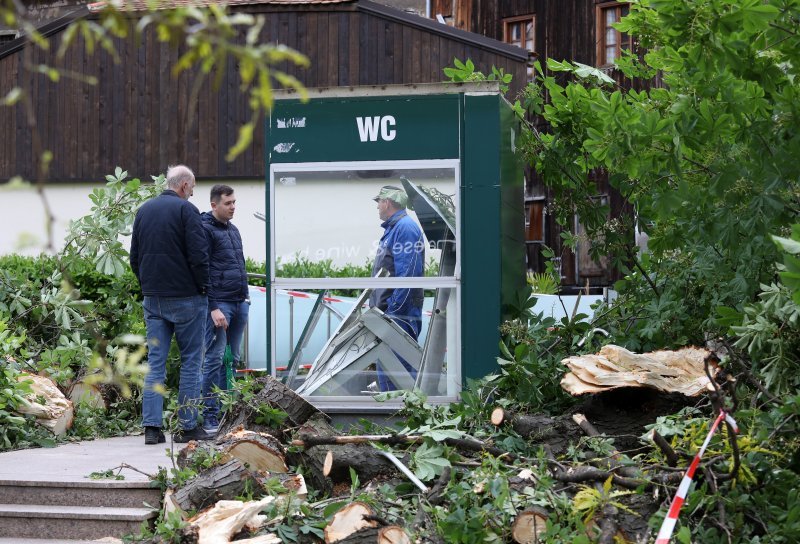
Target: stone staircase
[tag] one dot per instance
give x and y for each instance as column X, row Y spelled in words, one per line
column 54, row 511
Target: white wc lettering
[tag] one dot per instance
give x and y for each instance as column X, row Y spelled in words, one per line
column 369, row 128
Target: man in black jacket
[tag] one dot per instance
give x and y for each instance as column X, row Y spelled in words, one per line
column 227, row 297
column 169, row 255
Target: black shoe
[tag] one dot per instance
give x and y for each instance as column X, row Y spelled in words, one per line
column 197, row 433
column 153, row 435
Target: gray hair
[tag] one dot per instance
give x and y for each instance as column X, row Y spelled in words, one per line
column 178, row 174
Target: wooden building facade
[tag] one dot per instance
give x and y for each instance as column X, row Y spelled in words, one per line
column 573, row 30
column 139, row 116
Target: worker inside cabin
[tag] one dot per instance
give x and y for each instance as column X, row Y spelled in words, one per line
column 401, row 253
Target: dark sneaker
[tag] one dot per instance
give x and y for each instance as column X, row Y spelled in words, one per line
column 211, row 425
column 154, row 435
column 197, row 433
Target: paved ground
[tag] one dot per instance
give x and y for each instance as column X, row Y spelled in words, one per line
column 74, row 462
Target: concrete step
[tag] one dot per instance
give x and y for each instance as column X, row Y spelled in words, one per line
column 53, row 522
column 108, row 493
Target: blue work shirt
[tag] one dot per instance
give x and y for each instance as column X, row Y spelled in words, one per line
column 401, row 251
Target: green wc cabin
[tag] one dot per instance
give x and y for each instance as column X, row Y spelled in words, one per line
column 450, row 149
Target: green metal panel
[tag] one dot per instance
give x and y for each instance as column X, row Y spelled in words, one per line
column 480, row 236
column 512, row 211
column 364, row 129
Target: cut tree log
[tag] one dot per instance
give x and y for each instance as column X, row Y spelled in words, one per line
column 226, row 518
column 556, row 432
column 681, row 371
column 348, row 520
column 220, row 482
column 259, row 451
column 275, row 394
column 86, row 394
column 55, row 412
column 529, row 525
column 391, row 534
column 330, row 464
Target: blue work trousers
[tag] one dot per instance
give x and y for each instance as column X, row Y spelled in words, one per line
column 185, row 318
column 412, row 327
column 216, row 339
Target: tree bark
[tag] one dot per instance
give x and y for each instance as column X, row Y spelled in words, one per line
column 221, row 482
column 367, row 462
column 276, row 395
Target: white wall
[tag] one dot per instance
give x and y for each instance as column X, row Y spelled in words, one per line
column 335, row 222
column 24, row 230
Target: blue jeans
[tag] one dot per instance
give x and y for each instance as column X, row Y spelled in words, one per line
column 216, row 339
column 185, row 317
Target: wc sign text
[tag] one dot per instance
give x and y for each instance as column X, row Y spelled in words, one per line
column 370, row 128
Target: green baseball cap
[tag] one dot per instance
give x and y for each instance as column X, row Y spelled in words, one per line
column 396, row 194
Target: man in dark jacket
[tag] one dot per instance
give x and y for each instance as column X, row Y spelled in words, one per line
column 401, row 251
column 227, row 297
column 169, row 255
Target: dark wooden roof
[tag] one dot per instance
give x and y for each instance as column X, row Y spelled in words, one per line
column 141, row 118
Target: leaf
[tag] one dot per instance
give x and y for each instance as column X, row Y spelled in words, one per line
column 12, row 97
column 788, row 244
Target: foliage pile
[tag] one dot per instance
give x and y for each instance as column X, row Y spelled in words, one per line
column 704, row 151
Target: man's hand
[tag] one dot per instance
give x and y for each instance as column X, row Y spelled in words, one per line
column 219, row 319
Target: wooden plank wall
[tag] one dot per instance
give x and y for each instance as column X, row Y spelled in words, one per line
column 142, row 118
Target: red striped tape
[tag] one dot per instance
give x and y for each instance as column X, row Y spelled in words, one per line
column 665, row 533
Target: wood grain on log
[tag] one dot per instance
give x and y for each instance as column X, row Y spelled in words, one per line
column 259, row 451
column 226, row 518
column 348, row 520
column 681, row 371
column 87, row 394
column 55, row 412
column 528, row 525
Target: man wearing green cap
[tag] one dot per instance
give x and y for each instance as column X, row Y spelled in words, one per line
column 401, row 252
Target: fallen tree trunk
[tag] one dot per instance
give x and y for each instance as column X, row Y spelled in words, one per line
column 557, row 432
column 272, row 393
column 220, row 482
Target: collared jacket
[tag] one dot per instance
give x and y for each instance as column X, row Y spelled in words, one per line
column 226, row 262
column 401, row 252
column 169, row 251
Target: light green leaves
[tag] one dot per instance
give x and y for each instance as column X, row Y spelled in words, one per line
column 429, row 461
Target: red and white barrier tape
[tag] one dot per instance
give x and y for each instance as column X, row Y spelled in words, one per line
column 665, row 533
